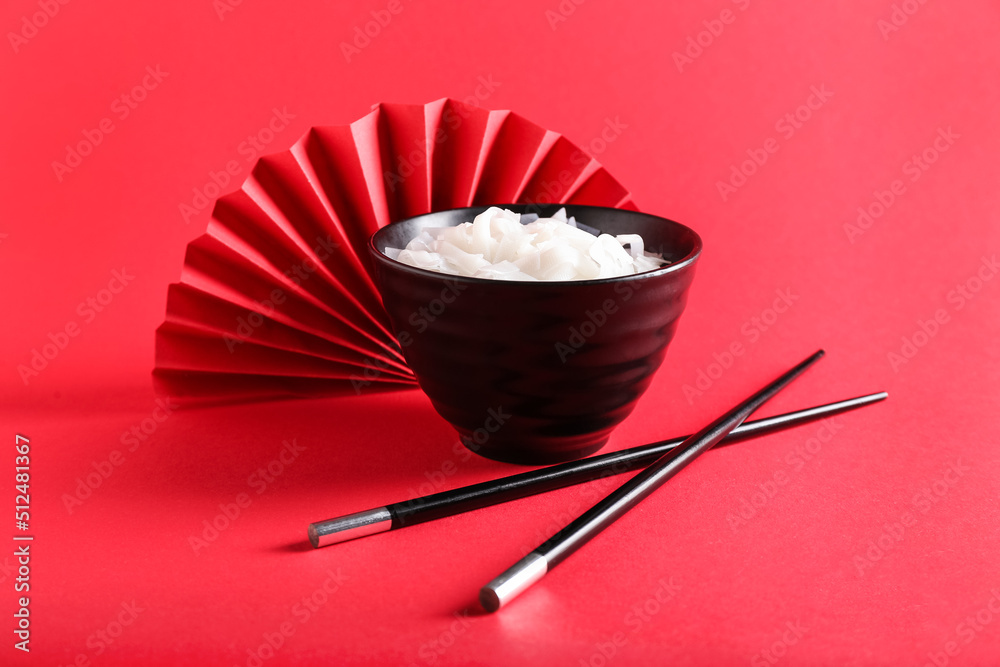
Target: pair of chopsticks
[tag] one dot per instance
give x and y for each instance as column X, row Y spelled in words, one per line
column 662, row 460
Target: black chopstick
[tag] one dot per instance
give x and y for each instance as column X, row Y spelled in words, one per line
column 560, row 546
column 521, row 485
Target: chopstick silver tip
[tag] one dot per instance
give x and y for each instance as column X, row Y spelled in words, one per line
column 349, row 527
column 518, row 578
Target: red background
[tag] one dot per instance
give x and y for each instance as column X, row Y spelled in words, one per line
column 806, row 557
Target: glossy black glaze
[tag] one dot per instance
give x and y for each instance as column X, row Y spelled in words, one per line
column 536, row 372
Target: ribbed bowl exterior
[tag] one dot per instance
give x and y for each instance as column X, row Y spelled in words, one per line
column 536, row 372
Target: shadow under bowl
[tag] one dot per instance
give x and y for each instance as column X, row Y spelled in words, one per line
column 536, row 372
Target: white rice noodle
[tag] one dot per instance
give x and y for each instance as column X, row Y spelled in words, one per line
column 503, row 245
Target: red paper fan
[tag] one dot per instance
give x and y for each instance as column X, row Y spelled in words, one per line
column 277, row 297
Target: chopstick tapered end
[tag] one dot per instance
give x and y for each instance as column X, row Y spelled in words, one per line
column 513, row 582
column 341, row 529
column 489, row 599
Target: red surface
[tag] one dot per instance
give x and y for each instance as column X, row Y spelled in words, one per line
column 727, row 589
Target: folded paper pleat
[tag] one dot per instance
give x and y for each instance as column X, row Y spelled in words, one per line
column 278, row 298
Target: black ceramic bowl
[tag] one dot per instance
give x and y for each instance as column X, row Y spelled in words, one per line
column 536, row 372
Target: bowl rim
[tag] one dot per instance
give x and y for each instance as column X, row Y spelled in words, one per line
column 673, row 267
